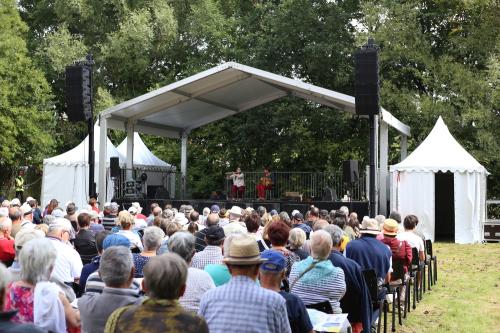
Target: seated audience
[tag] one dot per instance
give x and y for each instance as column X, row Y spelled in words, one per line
column 85, row 239
column 315, row 280
column 400, row 249
column 198, row 281
column 126, row 221
column 219, row 272
column 411, row 237
column 21, row 238
column 37, row 300
column 6, row 323
column 212, row 253
column 356, row 301
column 397, row 217
column 296, row 240
column 278, row 233
column 152, row 239
column 271, row 273
column 94, row 263
column 116, row 270
column 95, row 225
column 212, row 219
column 164, row 282
column 298, row 222
column 240, row 304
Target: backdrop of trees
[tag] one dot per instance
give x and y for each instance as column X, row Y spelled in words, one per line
column 437, row 58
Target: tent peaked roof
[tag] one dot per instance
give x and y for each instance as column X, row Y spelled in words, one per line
column 440, row 152
column 80, row 154
column 142, row 155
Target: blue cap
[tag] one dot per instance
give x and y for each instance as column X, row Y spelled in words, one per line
column 215, row 209
column 273, row 212
column 115, row 240
column 275, row 261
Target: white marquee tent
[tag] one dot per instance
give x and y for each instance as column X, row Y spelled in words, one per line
column 65, row 177
column 413, row 185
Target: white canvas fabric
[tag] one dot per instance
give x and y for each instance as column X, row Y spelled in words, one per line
column 143, row 157
column 412, row 185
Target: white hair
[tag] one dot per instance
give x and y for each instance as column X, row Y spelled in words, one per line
column 321, row 244
column 37, row 259
column 152, row 238
column 5, row 223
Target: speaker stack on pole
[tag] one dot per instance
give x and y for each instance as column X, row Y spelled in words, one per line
column 367, row 96
column 79, row 104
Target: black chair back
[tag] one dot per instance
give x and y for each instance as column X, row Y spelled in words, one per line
column 415, row 260
column 371, row 282
column 325, row 307
column 398, row 270
column 428, row 247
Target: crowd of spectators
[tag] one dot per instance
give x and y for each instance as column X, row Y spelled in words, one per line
column 172, row 270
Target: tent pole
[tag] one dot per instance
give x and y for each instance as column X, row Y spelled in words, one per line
column 404, row 146
column 383, row 168
column 184, row 144
column 102, row 160
column 373, row 164
column 130, row 149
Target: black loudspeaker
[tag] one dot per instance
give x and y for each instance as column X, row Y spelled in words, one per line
column 350, row 171
column 78, row 93
column 367, row 80
column 114, row 167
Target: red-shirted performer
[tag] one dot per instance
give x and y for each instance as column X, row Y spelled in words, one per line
column 238, row 189
column 265, row 183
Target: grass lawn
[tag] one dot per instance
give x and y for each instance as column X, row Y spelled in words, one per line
column 466, row 297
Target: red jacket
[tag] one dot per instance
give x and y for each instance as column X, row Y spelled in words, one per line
column 402, row 251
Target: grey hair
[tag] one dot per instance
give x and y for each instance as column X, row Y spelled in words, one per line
column 165, row 275
column 344, row 210
column 396, row 216
column 168, row 214
column 37, row 259
column 321, row 244
column 229, row 239
column 182, row 243
column 380, row 220
column 285, row 217
column 297, row 238
column 115, row 265
column 335, row 232
column 152, row 238
column 4, row 278
column 48, row 219
column 5, row 223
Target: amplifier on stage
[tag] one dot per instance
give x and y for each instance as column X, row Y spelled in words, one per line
column 292, row 196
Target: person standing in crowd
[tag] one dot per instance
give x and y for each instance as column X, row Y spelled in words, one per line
column 356, row 301
column 151, row 240
column 271, row 273
column 315, row 280
column 164, row 282
column 6, row 322
column 212, row 253
column 238, row 188
column 7, row 252
column 241, row 303
column 37, row 300
column 198, row 281
column 117, row 272
column 85, row 239
column 369, row 252
column 20, row 185
column 265, row 184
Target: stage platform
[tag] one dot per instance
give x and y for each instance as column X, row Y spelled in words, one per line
column 360, row 207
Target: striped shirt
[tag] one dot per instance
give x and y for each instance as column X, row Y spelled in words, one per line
column 324, row 282
column 109, row 221
column 96, row 285
column 241, row 305
column 210, row 255
column 197, row 284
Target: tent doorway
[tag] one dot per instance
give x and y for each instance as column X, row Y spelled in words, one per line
column 444, row 206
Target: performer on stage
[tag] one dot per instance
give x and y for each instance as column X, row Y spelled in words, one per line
column 238, row 189
column 20, row 186
column 265, row 183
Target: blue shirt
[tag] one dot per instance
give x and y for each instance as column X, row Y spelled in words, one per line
column 241, row 305
column 356, row 301
column 370, row 253
column 297, row 313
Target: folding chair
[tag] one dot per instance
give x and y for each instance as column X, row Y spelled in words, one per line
column 395, row 287
column 379, row 304
column 432, row 260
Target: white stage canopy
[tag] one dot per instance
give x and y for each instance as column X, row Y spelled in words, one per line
column 65, row 176
column 225, row 90
column 143, row 157
column 413, row 186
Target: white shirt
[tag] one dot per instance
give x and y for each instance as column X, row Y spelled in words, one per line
column 139, row 224
column 197, row 284
column 238, row 180
column 234, row 227
column 68, row 265
column 135, row 240
column 413, row 239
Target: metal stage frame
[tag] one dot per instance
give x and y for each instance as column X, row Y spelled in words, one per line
column 360, row 207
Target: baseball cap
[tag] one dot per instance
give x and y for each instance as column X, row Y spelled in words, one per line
column 275, row 261
column 115, row 240
column 15, row 202
column 298, row 216
column 132, row 210
column 215, row 233
column 26, row 209
column 57, row 213
column 215, row 209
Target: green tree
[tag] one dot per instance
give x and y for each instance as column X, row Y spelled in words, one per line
column 26, row 107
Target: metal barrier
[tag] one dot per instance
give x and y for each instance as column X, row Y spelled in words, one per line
column 313, row 185
column 492, row 222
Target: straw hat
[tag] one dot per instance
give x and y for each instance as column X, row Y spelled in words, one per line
column 390, row 227
column 235, row 210
column 244, row 251
column 369, row 226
